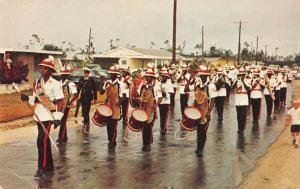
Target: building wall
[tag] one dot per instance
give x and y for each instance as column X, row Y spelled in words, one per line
column 27, row 59
column 135, row 63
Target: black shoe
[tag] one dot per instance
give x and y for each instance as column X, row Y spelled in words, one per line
column 111, row 145
column 240, row 132
column 146, row 148
column 61, row 141
column 48, row 172
column 199, row 153
column 39, row 173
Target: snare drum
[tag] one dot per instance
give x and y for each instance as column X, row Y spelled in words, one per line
column 137, row 120
column 190, row 119
column 101, row 115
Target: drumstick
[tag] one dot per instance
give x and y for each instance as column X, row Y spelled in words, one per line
column 15, row 86
column 181, row 138
column 126, row 136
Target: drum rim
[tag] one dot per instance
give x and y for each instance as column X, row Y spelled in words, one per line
column 187, row 128
column 98, row 124
column 141, row 110
column 131, row 128
column 193, row 108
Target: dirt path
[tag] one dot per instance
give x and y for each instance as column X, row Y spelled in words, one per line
column 279, row 168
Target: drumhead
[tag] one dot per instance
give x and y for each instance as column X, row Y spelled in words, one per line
column 105, row 110
column 192, row 113
column 139, row 115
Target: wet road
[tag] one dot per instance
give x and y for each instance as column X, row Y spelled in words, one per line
column 85, row 162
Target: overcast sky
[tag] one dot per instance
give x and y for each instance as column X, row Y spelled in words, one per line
column 138, row 22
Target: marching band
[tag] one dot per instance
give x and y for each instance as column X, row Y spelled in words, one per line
column 144, row 91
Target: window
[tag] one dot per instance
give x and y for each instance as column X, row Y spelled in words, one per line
column 159, row 62
column 124, row 62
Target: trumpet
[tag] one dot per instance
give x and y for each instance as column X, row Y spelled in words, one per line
column 267, row 82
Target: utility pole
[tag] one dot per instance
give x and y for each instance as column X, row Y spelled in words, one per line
column 251, row 51
column 239, row 45
column 276, row 51
column 89, row 46
column 202, row 46
column 111, row 44
column 256, row 51
column 174, row 33
column 266, row 60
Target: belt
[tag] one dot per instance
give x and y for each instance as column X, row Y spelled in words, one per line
column 255, row 90
column 241, row 93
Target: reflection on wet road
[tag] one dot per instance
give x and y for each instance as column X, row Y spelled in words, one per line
column 86, row 162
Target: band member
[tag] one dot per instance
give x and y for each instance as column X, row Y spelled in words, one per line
column 202, row 102
column 70, row 95
column 241, row 99
column 137, row 80
column 255, row 96
column 269, row 82
column 221, row 82
column 174, row 76
column 48, row 97
column 164, row 106
column 87, row 93
column 283, row 88
column 150, row 95
column 126, row 81
column 8, row 70
column 114, row 97
column 183, row 81
column 277, row 89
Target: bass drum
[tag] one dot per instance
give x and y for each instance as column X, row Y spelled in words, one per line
column 102, row 115
column 190, row 119
column 137, row 120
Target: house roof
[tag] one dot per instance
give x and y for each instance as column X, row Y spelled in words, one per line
column 3, row 50
column 211, row 59
column 70, row 56
column 124, row 52
column 152, row 52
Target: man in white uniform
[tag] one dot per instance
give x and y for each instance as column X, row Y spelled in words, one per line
column 48, row 97
column 164, row 106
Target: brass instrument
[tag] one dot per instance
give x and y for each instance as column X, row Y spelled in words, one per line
column 202, row 104
column 42, row 96
column 267, row 82
column 200, row 95
column 148, row 100
column 112, row 93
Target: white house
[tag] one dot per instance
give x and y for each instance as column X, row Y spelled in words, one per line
column 134, row 57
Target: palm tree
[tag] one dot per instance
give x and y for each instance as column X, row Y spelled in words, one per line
column 227, row 54
column 197, row 47
column 152, row 44
column 246, row 44
column 168, row 47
